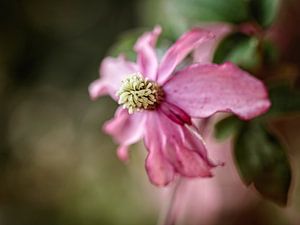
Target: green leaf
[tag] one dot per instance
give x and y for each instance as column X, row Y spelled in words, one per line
column 264, row 11
column 284, row 100
column 261, row 160
column 177, row 16
column 239, row 49
column 234, row 11
column 270, row 53
column 226, row 127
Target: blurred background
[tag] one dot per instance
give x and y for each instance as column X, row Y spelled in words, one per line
column 56, row 165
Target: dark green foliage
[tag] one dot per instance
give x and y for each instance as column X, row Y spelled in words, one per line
column 262, row 161
column 264, row 11
column 233, row 11
column 260, row 157
column 239, row 49
column 284, row 100
column 228, row 126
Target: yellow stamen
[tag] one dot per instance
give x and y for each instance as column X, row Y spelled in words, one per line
column 137, row 93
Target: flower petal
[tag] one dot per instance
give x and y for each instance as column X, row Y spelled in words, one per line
column 202, row 90
column 187, row 152
column 159, row 169
column 177, row 149
column 126, row 128
column 204, row 53
column 146, row 55
column 175, row 114
column 177, row 52
column 112, row 72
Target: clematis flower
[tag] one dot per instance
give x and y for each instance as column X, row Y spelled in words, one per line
column 158, row 103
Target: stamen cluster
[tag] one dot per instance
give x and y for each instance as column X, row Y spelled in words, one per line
column 137, row 93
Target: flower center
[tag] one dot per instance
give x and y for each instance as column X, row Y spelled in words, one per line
column 137, row 93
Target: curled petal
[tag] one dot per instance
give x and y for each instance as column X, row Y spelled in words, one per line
column 204, row 53
column 176, row 114
column 99, row 88
column 146, row 55
column 176, row 149
column 126, row 128
column 202, row 90
column 159, row 169
column 188, row 163
column 112, row 72
column 177, row 52
column 185, row 150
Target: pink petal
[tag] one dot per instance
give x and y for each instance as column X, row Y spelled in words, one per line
column 159, row 169
column 176, row 149
column 186, row 152
column 176, row 114
column 146, row 55
column 126, row 128
column 182, row 47
column 204, row 53
column 100, row 87
column 112, row 72
column 195, row 141
column 202, row 90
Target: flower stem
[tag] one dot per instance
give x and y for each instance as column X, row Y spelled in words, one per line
column 167, row 216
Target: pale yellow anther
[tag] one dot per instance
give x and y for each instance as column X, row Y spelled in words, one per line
column 137, row 93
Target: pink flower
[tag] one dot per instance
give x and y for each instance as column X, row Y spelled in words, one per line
column 159, row 102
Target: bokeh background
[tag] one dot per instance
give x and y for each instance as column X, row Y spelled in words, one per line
column 56, row 165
